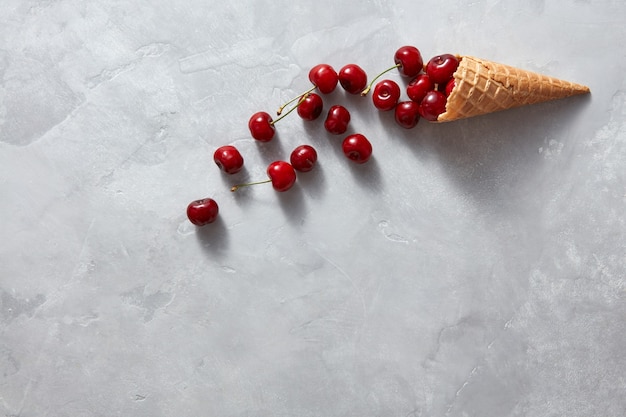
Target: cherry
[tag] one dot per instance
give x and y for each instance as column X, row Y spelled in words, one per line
column 407, row 114
column 352, row 78
column 337, row 120
column 386, row 95
column 409, row 61
column 418, row 87
column 303, row 158
column 324, row 77
column 310, row 106
column 441, row 67
column 228, row 159
column 282, row 176
column 357, row 148
column 261, row 126
column 450, row 86
column 433, row 105
column 201, row 212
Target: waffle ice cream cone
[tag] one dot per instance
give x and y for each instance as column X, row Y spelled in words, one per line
column 485, row 87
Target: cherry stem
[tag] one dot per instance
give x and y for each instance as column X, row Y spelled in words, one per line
column 306, row 93
column 302, row 98
column 238, row 186
column 369, row 87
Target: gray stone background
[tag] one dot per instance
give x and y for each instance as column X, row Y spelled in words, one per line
column 469, row 269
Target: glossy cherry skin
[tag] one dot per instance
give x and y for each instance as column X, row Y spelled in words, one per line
column 337, row 120
column 202, row 212
column 449, row 87
column 261, row 127
column 324, row 77
column 352, row 78
column 441, row 67
column 303, row 158
column 433, row 105
column 228, row 159
column 357, row 148
column 311, row 107
column 282, row 174
column 418, row 87
column 407, row 114
column 386, row 95
column 410, row 60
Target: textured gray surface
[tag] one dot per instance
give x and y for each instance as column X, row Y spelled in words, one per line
column 470, row 269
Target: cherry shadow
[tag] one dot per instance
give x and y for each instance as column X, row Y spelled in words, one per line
column 313, row 183
column 368, row 174
column 272, row 150
column 489, row 156
column 228, row 180
column 213, row 238
column 293, row 204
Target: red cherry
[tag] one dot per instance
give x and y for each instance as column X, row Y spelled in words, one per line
column 337, row 120
column 450, row 86
column 201, row 212
column 357, row 148
column 441, row 67
column 386, row 95
column 409, row 61
column 303, row 158
column 352, row 78
column 228, row 159
column 281, row 174
column 407, row 114
column 324, row 77
column 261, row 126
column 310, row 106
column 418, row 87
column 433, row 105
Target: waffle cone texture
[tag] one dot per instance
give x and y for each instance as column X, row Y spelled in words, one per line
column 485, row 87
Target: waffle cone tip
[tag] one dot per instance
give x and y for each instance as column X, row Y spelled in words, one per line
column 484, row 87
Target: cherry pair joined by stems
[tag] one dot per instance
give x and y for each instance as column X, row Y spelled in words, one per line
column 282, row 174
column 408, row 61
column 323, row 77
column 261, row 124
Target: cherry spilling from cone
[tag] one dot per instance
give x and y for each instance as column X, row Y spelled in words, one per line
column 445, row 88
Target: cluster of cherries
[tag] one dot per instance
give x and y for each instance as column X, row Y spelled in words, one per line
column 427, row 92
